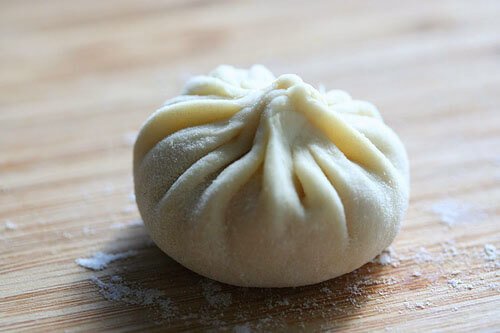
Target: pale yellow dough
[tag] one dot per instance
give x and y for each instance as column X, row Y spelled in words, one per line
column 260, row 181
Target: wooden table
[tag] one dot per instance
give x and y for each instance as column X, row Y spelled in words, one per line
column 77, row 79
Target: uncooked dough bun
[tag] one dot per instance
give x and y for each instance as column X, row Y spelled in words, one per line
column 259, row 181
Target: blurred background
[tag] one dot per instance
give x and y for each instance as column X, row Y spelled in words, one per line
column 78, row 78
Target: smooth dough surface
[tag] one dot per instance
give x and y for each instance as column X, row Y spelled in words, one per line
column 259, row 181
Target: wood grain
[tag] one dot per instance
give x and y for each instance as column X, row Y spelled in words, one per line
column 78, row 77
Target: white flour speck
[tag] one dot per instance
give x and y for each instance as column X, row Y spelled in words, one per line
column 129, row 138
column 88, row 231
column 494, row 286
column 387, row 257
column 9, row 225
column 459, row 284
column 67, row 235
column 326, row 290
column 132, row 223
column 109, row 188
column 490, row 252
column 100, row 260
column 128, row 209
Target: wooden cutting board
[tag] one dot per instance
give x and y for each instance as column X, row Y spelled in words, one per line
column 77, row 79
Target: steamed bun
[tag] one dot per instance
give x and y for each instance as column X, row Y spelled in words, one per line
column 259, row 181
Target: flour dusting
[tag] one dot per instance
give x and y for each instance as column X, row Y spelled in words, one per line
column 118, row 291
column 101, row 260
column 423, row 255
column 214, row 296
column 459, row 284
column 445, row 266
column 416, row 305
column 452, row 212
